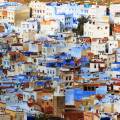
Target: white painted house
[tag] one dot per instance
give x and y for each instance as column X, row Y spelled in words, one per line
column 50, row 27
column 118, row 55
column 97, row 28
column 30, row 25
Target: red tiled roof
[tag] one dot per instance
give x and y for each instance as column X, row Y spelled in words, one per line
column 116, row 28
column 13, row 52
column 5, row 87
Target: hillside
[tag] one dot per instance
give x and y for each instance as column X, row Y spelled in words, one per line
column 79, row 1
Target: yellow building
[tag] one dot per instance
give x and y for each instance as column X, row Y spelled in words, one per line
column 10, row 114
column 3, row 13
column 5, row 117
column 17, row 14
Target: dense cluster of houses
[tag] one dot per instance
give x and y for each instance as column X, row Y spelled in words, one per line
column 46, row 68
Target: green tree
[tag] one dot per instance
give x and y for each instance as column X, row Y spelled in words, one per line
column 40, row 117
column 98, row 1
column 46, row 117
column 80, row 28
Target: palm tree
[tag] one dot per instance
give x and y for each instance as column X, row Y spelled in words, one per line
column 80, row 28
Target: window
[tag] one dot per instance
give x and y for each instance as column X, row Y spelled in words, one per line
column 106, row 27
column 118, row 76
column 70, row 84
column 89, row 88
column 85, row 88
column 69, row 77
column 4, row 62
column 98, row 27
column 89, row 22
column 93, row 88
column 34, row 60
column 94, row 65
column 66, row 84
